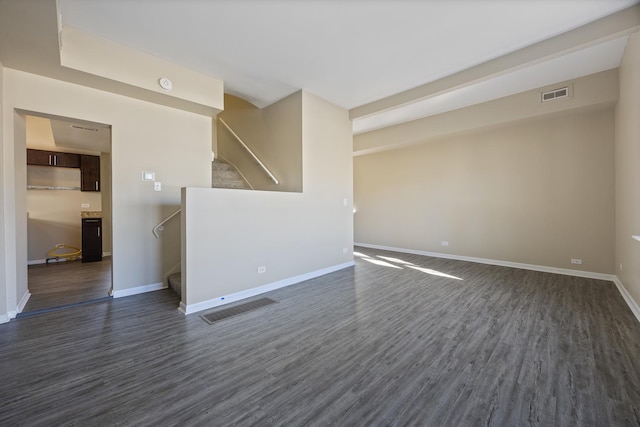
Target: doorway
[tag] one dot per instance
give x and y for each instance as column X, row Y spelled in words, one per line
column 68, row 185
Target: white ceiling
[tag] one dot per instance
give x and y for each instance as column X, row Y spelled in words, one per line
column 351, row 52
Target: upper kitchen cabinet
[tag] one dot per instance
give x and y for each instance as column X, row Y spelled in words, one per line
column 90, row 173
column 53, row 158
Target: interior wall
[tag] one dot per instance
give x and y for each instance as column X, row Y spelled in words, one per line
column 282, row 145
column 21, row 290
column 4, row 317
column 174, row 144
column 273, row 133
column 290, row 234
column 627, row 155
column 537, row 192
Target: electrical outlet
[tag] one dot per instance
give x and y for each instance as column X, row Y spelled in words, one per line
column 157, row 186
column 576, row 261
column 444, row 243
column 262, row 269
column 85, row 205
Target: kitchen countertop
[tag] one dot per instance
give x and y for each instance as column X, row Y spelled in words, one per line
column 90, row 214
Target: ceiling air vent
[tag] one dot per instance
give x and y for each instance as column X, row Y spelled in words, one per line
column 550, row 95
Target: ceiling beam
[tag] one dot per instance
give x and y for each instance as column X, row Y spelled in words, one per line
column 608, row 28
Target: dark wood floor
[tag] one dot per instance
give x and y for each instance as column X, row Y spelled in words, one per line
column 401, row 340
column 63, row 283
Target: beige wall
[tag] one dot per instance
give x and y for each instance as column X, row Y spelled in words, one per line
column 3, row 206
column 229, row 233
column 282, row 146
column 175, row 144
column 627, row 155
column 274, row 134
column 538, row 192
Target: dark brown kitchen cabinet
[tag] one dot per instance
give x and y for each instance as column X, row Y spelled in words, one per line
column 90, row 173
column 91, row 239
column 52, row 158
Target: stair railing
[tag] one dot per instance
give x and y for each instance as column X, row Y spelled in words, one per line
column 160, row 227
column 273, row 178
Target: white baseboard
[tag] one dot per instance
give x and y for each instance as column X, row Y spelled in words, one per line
column 635, row 309
column 227, row 299
column 44, row 261
column 23, row 301
column 119, row 293
column 545, row 269
column 4, row 318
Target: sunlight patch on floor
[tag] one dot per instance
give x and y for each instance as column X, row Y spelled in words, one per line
column 361, row 255
column 396, row 260
column 388, row 262
column 382, row 263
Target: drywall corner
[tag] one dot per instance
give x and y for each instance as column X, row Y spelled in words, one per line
column 4, row 317
column 627, row 171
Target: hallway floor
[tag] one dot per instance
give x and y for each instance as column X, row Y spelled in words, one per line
column 66, row 283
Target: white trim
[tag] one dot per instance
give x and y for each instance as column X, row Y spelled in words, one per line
column 138, row 290
column 12, row 314
column 565, row 271
column 23, row 301
column 627, row 297
column 4, row 318
column 44, row 261
column 227, row 299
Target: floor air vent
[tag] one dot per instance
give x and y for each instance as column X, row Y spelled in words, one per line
column 225, row 313
column 562, row 92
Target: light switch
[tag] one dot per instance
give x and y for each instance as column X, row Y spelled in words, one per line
column 157, row 186
column 85, row 205
column 148, row 176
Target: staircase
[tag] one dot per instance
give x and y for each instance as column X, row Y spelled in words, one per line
column 225, row 175
column 175, row 283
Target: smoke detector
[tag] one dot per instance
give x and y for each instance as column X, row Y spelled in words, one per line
column 165, row 83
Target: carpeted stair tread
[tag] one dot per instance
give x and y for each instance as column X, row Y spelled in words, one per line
column 175, row 282
column 225, row 175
